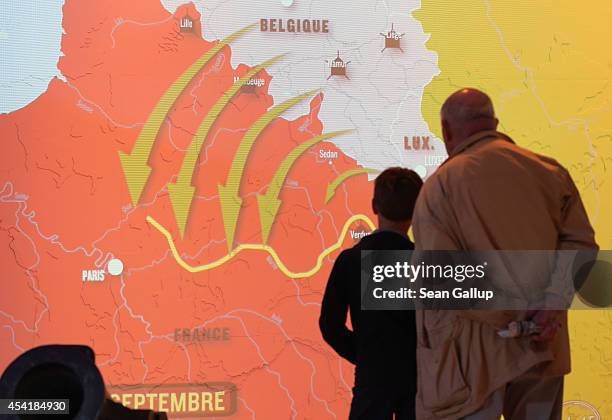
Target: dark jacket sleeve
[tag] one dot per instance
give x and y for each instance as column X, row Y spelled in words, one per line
column 334, row 310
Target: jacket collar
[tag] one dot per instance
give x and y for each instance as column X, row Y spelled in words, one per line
column 475, row 138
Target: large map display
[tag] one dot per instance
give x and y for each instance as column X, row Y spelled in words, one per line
column 177, row 178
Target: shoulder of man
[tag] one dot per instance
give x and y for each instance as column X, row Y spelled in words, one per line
column 345, row 255
column 458, row 167
column 434, row 188
column 554, row 164
column 555, row 168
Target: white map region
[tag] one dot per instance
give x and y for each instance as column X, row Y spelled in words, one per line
column 30, row 47
column 381, row 98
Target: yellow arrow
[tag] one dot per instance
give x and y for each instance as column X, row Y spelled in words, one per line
column 182, row 192
column 270, row 203
column 331, row 188
column 228, row 193
column 135, row 165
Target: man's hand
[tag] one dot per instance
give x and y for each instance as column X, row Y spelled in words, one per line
column 549, row 323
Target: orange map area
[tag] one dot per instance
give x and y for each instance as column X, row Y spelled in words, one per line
column 65, row 207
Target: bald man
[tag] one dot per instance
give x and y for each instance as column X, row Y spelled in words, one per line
column 491, row 194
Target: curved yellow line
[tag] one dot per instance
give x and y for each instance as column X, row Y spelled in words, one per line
column 261, row 247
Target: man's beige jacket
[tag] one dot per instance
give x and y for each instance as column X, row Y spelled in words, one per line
column 491, row 195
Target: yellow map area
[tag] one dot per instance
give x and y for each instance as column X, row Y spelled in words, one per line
column 547, row 66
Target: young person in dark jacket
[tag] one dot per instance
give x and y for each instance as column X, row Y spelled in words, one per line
column 381, row 344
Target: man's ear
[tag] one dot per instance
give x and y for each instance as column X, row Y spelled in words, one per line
column 446, row 132
column 374, row 207
column 447, row 135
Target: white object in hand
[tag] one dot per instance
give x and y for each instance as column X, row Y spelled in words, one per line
column 519, row 329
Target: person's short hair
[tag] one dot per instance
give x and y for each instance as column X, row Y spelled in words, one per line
column 395, row 193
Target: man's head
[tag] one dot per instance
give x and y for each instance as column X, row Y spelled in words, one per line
column 395, row 194
column 466, row 112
